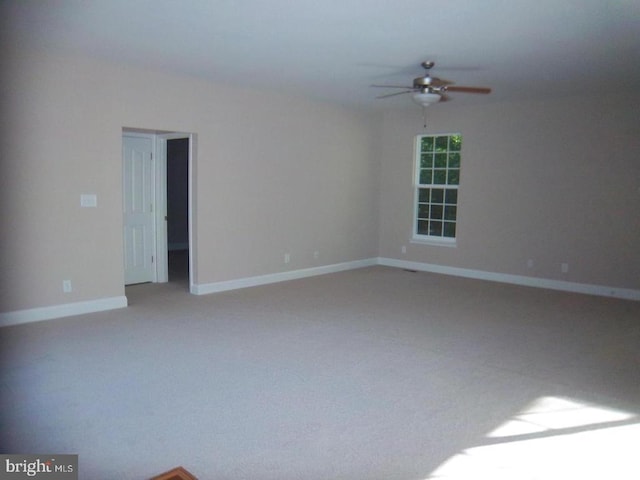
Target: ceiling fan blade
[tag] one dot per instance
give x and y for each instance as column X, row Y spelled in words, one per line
column 394, row 94
column 456, row 88
column 391, row 86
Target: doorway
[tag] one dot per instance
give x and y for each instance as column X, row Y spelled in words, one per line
column 168, row 199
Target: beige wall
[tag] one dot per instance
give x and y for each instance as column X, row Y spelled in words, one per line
column 549, row 181
column 555, row 182
column 275, row 174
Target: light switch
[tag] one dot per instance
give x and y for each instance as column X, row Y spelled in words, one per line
column 88, row 200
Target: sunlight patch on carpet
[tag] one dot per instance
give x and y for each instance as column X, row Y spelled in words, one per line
column 553, row 438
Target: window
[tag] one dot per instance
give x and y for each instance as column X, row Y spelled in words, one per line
column 436, row 187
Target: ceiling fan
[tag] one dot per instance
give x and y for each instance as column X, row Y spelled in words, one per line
column 427, row 90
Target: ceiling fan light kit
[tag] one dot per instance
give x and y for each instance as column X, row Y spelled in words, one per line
column 425, row 98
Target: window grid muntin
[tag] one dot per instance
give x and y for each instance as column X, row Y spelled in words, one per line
column 437, row 181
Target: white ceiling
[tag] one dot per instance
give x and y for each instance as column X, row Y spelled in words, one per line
column 334, row 49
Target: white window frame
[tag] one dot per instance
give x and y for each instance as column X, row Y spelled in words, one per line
column 440, row 240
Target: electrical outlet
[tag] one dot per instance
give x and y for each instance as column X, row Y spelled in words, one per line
column 66, row 286
column 530, row 263
column 564, row 267
column 316, row 254
column 404, row 249
column 287, row 258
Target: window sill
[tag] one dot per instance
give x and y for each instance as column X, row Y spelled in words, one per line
column 436, row 241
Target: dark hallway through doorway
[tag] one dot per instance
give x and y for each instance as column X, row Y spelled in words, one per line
column 178, row 209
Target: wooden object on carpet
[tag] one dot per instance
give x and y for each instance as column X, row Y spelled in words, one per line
column 177, row 473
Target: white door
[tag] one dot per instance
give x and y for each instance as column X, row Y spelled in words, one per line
column 139, row 199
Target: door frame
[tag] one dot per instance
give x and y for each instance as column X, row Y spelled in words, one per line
column 160, row 245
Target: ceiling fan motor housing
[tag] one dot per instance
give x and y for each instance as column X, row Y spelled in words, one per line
column 422, row 82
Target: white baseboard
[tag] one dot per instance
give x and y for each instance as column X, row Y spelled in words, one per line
column 103, row 304
column 58, row 311
column 215, row 287
column 601, row 290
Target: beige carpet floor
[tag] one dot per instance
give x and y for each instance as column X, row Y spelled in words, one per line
column 376, row 373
